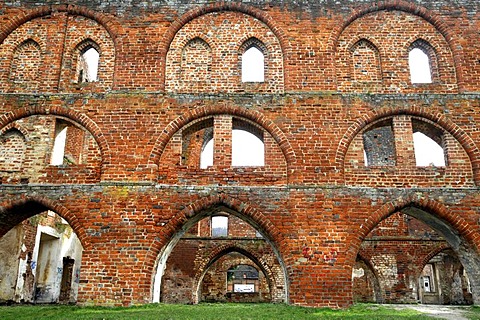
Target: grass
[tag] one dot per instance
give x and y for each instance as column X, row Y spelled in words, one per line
column 208, row 311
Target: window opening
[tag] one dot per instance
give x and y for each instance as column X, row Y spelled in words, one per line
column 379, row 145
column 242, row 279
column 419, row 64
column 58, row 152
column 427, row 151
column 253, row 65
column 206, row 156
column 219, row 226
column 88, row 65
column 247, row 149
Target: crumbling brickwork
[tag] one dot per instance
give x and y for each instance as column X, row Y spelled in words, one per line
column 337, row 113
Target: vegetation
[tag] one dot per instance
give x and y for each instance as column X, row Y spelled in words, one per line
column 209, row 311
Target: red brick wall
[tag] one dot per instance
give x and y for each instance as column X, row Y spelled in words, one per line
column 314, row 200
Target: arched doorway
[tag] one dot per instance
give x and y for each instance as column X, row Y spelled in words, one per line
column 214, row 241
column 400, row 246
column 40, row 256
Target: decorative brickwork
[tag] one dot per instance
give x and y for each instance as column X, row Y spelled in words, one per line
column 343, row 209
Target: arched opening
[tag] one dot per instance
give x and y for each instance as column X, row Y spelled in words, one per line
column 12, row 150
column 253, row 65
column 194, row 266
column 234, row 276
column 247, row 149
column 26, row 65
column 88, row 63
column 366, row 62
column 419, row 63
column 399, row 250
column 40, row 256
column 366, row 287
column 428, row 141
column 443, row 280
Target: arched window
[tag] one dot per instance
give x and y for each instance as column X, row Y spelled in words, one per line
column 26, row 64
column 196, row 65
column 59, row 143
column 419, row 66
column 247, row 149
column 88, row 64
column 422, row 61
column 253, row 65
column 219, row 226
column 12, row 150
column 206, row 156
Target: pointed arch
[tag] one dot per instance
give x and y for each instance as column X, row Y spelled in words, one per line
column 74, row 116
column 203, row 112
column 219, row 7
column 111, row 25
column 196, row 211
column 439, row 119
column 407, row 7
column 17, row 209
column 224, row 250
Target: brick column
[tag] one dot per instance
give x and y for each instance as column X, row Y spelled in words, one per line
column 222, row 134
column 402, row 129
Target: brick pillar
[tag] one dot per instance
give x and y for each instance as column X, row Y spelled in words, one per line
column 222, row 149
column 402, row 128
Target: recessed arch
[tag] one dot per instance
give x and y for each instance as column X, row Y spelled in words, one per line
column 224, row 250
column 419, row 112
column 75, row 117
column 379, row 289
column 195, row 212
column 112, row 27
column 33, row 205
column 219, row 7
column 461, row 235
column 407, row 7
column 203, row 112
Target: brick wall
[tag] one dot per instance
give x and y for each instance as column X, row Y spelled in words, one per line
column 170, row 77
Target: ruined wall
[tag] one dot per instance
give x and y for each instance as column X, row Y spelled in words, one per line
column 336, row 69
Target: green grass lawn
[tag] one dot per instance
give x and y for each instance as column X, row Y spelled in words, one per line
column 207, row 311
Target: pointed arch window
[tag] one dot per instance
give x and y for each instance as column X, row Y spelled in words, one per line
column 253, row 61
column 88, row 63
column 422, row 62
column 12, row 150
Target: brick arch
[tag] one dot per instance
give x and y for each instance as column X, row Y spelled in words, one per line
column 379, row 288
column 42, row 204
column 161, row 248
column 439, row 119
column 82, row 119
column 254, row 116
column 198, row 209
column 407, row 7
column 14, row 126
column 223, row 250
column 434, row 208
column 432, row 254
column 113, row 28
column 218, row 7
